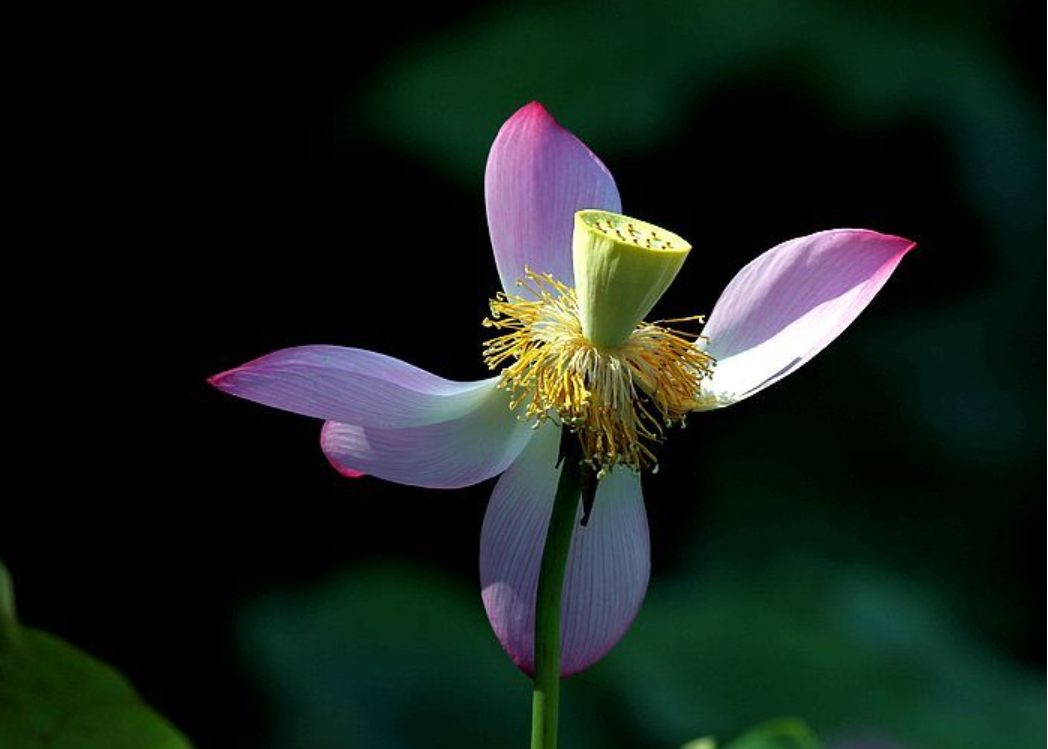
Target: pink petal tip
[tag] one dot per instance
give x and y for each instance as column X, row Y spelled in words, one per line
column 343, row 471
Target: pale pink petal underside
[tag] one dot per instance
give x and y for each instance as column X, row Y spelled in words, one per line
column 608, row 565
column 449, row 454
column 538, row 175
column 790, row 303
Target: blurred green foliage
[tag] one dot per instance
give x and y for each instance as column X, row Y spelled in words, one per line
column 401, row 657
column 53, row 696
column 382, row 658
column 627, row 70
column 849, row 648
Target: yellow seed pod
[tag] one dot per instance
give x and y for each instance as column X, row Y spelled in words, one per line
column 622, row 267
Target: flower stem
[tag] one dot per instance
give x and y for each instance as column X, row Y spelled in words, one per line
column 545, row 703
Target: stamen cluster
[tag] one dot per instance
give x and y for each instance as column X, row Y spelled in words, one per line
column 617, row 401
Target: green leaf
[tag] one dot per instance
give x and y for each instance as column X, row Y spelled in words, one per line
column 55, row 696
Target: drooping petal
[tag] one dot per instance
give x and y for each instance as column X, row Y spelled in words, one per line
column 790, row 303
column 449, row 454
column 538, row 175
column 608, row 566
column 352, row 386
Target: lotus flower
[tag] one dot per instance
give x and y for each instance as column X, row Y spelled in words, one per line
column 578, row 277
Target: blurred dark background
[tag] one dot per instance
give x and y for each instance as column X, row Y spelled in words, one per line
column 858, row 546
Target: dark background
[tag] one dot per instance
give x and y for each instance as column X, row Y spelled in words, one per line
column 848, row 546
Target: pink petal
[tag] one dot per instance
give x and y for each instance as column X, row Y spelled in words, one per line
column 449, row 454
column 352, row 386
column 538, row 175
column 344, row 471
column 608, row 566
column 788, row 304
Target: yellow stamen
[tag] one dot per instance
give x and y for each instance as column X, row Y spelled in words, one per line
column 617, row 400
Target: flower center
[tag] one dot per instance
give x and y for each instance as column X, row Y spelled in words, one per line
column 617, row 400
column 622, row 267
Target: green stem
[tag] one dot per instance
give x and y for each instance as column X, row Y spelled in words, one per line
column 545, row 701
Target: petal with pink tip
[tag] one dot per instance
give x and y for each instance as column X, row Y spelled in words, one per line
column 538, row 175
column 789, row 304
column 345, row 472
column 352, row 386
column 608, row 565
column 449, row 454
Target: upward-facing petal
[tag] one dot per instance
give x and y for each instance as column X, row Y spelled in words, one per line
column 352, row 386
column 538, row 175
column 788, row 304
